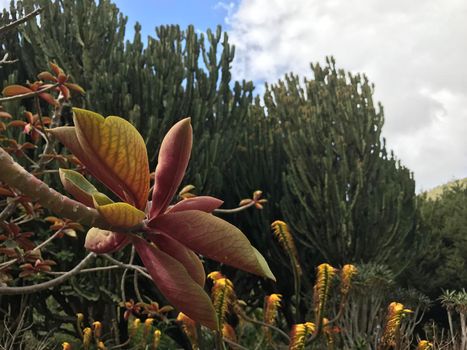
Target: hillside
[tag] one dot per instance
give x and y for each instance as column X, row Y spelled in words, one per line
column 437, row 191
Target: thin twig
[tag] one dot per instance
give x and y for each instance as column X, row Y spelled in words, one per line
column 8, row 210
column 140, row 269
column 4, row 60
column 135, row 286
column 234, row 210
column 122, row 282
column 252, row 320
column 49, row 284
column 41, row 121
column 234, row 344
column 12, row 25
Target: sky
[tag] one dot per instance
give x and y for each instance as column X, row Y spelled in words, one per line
column 413, row 51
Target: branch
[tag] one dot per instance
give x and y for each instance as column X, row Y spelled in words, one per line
column 49, row 284
column 17, row 177
column 12, row 25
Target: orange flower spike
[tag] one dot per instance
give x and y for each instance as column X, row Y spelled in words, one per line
column 396, row 313
column 189, row 328
column 285, row 238
column 101, row 345
column 97, row 329
column 348, row 272
column 324, row 276
column 66, row 346
column 215, row 275
column 87, row 336
column 424, row 345
column 134, row 327
column 272, row 303
column 299, row 335
column 223, row 296
column 148, row 326
column 156, row 339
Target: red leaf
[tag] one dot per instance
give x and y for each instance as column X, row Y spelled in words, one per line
column 203, row 203
column 174, row 155
column 17, row 123
column 48, row 98
column 184, row 255
column 5, row 115
column 55, row 68
column 46, row 76
column 75, row 87
column 175, row 283
column 214, row 238
column 65, row 92
column 13, row 90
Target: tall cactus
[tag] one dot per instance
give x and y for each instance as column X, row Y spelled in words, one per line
column 345, row 195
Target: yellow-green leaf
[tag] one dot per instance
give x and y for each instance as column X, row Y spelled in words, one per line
column 84, row 191
column 121, row 215
column 118, row 152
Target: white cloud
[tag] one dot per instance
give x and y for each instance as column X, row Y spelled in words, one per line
column 413, row 52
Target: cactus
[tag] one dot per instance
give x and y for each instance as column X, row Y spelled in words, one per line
column 345, row 195
column 178, row 73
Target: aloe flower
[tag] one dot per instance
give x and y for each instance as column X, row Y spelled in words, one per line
column 167, row 238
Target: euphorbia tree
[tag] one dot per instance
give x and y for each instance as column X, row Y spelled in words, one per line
column 166, row 237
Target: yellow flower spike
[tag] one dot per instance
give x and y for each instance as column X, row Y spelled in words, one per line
column 156, row 339
column 299, row 335
column 97, row 329
column 147, row 326
column 87, row 336
column 424, row 345
column 348, row 272
column 189, row 328
column 134, row 327
column 283, row 234
column 215, row 275
column 223, row 295
column 66, row 346
column 324, row 275
column 396, row 313
column 271, row 305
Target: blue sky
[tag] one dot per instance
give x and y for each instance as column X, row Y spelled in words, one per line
column 203, row 14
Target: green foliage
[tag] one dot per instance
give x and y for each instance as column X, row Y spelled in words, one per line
column 443, row 261
column 178, row 73
column 345, row 195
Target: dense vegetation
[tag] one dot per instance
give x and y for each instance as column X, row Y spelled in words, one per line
column 313, row 146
